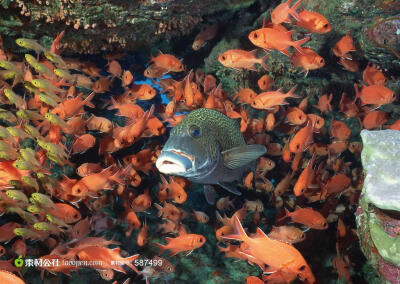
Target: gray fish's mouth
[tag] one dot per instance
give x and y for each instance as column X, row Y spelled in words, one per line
column 174, row 162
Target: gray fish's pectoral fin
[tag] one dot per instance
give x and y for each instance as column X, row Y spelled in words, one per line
column 209, row 194
column 239, row 156
column 231, row 187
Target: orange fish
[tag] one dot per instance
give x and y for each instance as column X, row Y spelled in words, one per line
column 245, row 95
column 268, row 100
column 270, row 38
column 66, row 213
column 100, row 124
column 200, row 216
column 114, row 68
column 55, row 45
column 317, row 121
column 348, row 106
column 296, row 161
column 341, row 228
column 143, row 92
column 241, row 59
column 76, row 126
column 342, row 267
column 154, row 71
column 254, row 279
column 349, row 63
column 295, row 116
column 302, row 139
column 169, row 211
column 336, row 184
column 71, row 107
column 375, row 95
column 308, row 217
column 395, row 125
column 95, row 182
column 270, row 121
column 205, row 35
column 109, row 258
column 10, row 278
column 172, row 190
column 209, row 83
column 313, row 22
column 375, row 119
column 19, row 247
column 304, row 179
column 281, row 12
column 102, row 85
column 307, row 60
column 288, row 234
column 339, row 130
column 273, row 253
column 344, row 46
column 265, row 82
column 83, row 143
column 284, row 184
column 127, row 78
column 133, row 221
column 167, row 62
column 184, row 242
column 142, row 236
column 373, row 76
column 142, row 202
column 324, row 103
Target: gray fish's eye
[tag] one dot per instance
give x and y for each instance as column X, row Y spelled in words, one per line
column 195, row 131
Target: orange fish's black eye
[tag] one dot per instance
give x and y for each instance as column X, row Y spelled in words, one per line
column 75, row 216
column 297, row 146
column 255, row 35
column 326, row 25
column 301, row 268
column 223, row 57
column 78, row 190
column 321, row 61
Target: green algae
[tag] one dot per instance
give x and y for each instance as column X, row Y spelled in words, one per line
column 388, row 247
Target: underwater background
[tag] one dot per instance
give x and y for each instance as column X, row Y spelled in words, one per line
column 91, row 90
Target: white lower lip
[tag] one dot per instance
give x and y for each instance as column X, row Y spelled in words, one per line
column 168, row 166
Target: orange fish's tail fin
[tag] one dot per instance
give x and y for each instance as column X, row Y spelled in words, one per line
column 293, row 11
column 291, row 93
column 287, row 215
column 240, row 233
column 161, row 247
column 159, row 210
column 88, row 99
column 128, row 261
column 297, row 44
column 262, row 61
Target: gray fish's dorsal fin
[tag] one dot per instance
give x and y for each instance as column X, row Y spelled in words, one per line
column 239, row 156
column 231, row 187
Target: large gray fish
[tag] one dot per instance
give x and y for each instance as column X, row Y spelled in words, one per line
column 207, row 147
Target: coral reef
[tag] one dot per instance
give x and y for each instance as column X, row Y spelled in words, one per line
column 94, row 26
column 378, row 228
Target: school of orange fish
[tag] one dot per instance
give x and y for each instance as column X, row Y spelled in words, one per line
column 44, row 122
